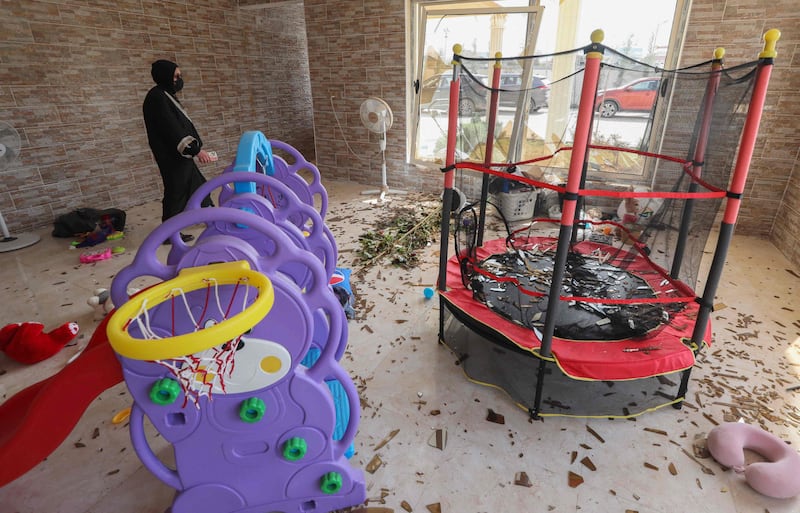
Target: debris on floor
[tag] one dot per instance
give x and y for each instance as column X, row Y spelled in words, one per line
column 574, row 480
column 386, row 440
column 594, row 434
column 700, row 446
column 497, row 418
column 438, row 439
column 522, row 479
column 374, row 464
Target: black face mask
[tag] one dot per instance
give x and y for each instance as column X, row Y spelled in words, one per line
column 178, row 84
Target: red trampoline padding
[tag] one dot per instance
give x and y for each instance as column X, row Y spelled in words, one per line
column 34, row 422
column 586, row 359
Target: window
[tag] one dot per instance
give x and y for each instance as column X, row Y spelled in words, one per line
column 536, row 106
column 509, row 26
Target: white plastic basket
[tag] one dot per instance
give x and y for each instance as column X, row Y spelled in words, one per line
column 518, row 204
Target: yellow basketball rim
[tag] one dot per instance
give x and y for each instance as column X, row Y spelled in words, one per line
column 188, row 280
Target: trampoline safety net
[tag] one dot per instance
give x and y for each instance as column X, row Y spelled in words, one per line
column 648, row 201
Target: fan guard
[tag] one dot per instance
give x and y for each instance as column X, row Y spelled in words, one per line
column 376, row 115
column 10, row 145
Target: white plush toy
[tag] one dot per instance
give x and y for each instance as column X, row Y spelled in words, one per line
column 101, row 300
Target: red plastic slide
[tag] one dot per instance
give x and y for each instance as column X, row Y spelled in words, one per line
column 38, row 419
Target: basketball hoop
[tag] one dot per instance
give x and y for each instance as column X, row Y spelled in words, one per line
column 190, row 324
column 151, row 343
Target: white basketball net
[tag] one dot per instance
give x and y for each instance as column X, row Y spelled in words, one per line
column 199, row 373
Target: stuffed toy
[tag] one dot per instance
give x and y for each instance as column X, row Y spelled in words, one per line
column 778, row 476
column 101, row 301
column 28, row 343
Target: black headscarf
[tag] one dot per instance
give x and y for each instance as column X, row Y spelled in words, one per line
column 163, row 72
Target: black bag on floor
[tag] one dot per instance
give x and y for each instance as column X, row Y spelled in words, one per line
column 85, row 220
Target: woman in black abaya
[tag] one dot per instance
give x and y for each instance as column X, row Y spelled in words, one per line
column 174, row 141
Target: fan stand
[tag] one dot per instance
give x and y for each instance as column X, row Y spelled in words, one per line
column 9, row 243
column 384, row 190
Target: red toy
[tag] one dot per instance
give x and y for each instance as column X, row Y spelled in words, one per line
column 28, row 343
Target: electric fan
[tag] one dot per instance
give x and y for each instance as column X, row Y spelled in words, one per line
column 377, row 117
column 9, row 150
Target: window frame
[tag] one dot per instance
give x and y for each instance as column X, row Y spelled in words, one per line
column 417, row 15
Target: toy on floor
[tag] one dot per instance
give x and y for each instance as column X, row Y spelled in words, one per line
column 101, row 300
column 340, row 283
column 104, row 231
column 36, row 420
column 249, row 428
column 28, row 343
column 777, row 477
column 96, row 256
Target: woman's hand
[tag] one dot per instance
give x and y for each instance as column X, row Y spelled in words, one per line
column 205, row 157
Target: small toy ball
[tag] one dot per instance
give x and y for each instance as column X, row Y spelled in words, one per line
column 428, row 292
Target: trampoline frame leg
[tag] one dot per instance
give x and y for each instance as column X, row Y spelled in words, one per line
column 684, row 386
column 537, row 401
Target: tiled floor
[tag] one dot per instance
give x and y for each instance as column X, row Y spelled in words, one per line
column 411, row 384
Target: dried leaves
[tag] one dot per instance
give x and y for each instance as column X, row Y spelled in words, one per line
column 400, row 237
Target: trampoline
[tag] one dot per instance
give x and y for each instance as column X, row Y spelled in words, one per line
column 597, row 315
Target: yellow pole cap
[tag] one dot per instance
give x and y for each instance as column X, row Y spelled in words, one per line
column 719, row 53
column 498, row 56
column 457, row 48
column 598, row 36
column 770, row 40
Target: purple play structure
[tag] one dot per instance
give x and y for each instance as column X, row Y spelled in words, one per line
column 252, row 429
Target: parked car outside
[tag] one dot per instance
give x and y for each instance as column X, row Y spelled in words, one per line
column 472, row 98
column 435, row 94
column 512, row 84
column 637, row 96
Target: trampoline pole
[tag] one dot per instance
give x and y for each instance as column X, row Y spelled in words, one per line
column 594, row 55
column 537, row 400
column 736, row 188
column 581, row 200
column 698, row 158
column 487, row 160
column 449, row 169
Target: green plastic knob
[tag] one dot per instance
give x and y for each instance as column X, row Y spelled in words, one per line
column 331, row 483
column 295, row 448
column 165, row 391
column 252, row 410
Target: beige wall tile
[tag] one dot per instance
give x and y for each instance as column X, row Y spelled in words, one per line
column 74, row 75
